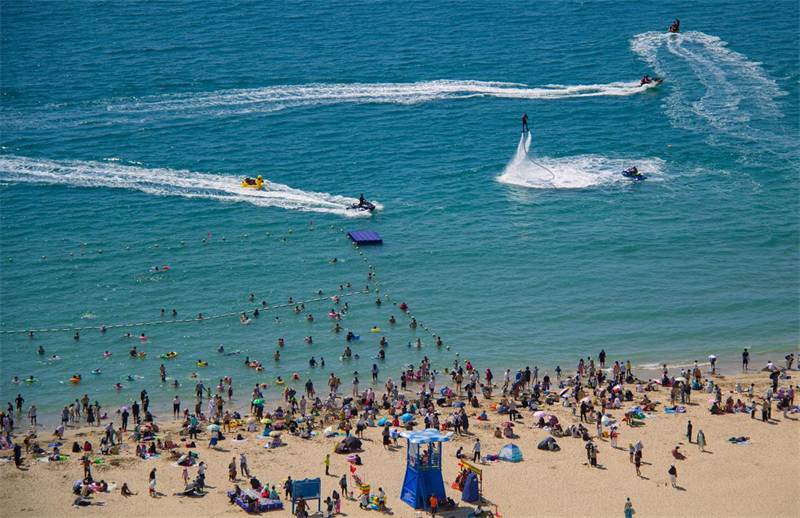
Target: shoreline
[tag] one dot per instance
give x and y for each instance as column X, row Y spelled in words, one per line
column 724, row 369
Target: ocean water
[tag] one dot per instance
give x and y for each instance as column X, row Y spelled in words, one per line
column 127, row 127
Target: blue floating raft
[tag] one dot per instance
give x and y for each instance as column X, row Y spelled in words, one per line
column 365, row 237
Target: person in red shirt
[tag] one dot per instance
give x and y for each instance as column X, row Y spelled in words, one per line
column 525, row 123
column 434, row 503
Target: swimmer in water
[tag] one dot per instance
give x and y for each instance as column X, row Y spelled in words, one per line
column 308, row 340
column 41, row 350
column 312, row 362
column 310, row 318
column 277, row 355
column 277, row 320
column 280, row 380
column 356, row 356
column 76, row 337
column 280, row 342
column 392, row 320
column 337, row 328
column 142, row 337
column 133, row 352
column 220, row 349
column 175, row 383
column 334, row 260
column 30, row 380
column 439, row 341
column 30, row 334
column 128, row 378
column 252, row 297
column 174, row 312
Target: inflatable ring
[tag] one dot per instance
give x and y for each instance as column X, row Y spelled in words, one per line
column 376, row 329
column 281, row 382
column 202, row 364
column 259, row 368
column 75, row 380
column 142, row 354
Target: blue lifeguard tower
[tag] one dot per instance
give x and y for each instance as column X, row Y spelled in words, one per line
column 424, row 467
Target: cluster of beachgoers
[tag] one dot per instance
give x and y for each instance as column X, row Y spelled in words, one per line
column 95, row 455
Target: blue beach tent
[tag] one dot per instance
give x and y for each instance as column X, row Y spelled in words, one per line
column 511, row 453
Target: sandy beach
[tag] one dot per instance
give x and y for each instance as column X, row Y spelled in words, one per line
column 760, row 478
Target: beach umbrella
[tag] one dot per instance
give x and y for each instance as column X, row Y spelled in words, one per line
column 55, row 444
column 713, row 400
column 460, row 404
column 507, row 424
column 126, row 408
column 266, row 421
column 563, row 392
column 617, row 388
column 406, row 417
column 680, row 378
column 258, row 401
column 605, row 420
column 213, row 428
column 587, row 399
column 540, row 414
column 275, row 434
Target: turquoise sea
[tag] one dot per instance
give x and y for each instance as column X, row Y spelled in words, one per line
column 127, row 127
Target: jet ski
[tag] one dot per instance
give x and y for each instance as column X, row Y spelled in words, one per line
column 651, row 82
column 362, row 207
column 249, row 183
column 633, row 174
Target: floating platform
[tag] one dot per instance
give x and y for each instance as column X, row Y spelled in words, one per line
column 365, row 237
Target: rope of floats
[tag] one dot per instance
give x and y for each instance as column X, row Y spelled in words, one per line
column 182, row 321
column 387, row 296
column 206, row 241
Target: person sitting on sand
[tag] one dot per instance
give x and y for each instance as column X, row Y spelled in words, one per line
column 677, row 453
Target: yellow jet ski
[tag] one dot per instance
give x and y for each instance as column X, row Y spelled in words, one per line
column 249, row 183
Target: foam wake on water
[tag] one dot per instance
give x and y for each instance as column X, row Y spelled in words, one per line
column 170, row 182
column 281, row 97
column 575, row 172
column 736, row 93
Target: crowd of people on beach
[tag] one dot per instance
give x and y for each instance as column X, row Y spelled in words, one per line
column 446, row 400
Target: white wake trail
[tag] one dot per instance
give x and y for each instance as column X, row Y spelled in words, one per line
column 736, row 93
column 574, row 172
column 170, row 182
column 283, row 96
